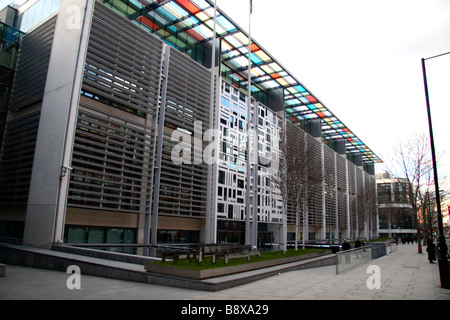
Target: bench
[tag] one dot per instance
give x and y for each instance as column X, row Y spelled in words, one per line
column 176, row 255
column 214, row 250
column 226, row 251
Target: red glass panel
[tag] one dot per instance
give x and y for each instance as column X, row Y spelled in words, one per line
column 189, row 6
column 148, row 22
column 311, row 98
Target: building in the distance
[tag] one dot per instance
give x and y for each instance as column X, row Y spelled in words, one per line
column 129, row 122
column 394, row 208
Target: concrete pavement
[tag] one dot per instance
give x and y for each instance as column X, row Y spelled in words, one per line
column 404, row 275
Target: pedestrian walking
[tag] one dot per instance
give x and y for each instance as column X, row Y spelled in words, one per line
column 345, row 245
column 357, row 243
column 431, row 250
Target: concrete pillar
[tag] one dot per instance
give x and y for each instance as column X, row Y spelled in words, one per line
column 53, row 154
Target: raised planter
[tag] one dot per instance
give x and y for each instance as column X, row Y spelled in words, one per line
column 217, row 272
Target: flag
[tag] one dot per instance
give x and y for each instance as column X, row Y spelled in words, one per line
column 251, row 6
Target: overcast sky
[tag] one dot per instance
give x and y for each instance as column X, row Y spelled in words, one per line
column 362, row 59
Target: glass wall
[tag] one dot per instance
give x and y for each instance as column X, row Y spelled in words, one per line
column 38, row 13
column 9, row 45
column 91, row 234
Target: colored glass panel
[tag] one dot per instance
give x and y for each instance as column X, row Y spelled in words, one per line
column 254, row 47
column 282, row 82
column 226, row 24
column 262, row 55
column 195, row 35
column 311, row 98
column 275, row 75
column 242, row 38
column 148, row 22
column 202, row 16
column 176, row 10
column 219, row 29
column 300, row 88
column 189, row 6
column 166, row 14
column 275, row 67
column 204, row 31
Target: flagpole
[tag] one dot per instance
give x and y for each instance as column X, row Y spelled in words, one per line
column 249, row 104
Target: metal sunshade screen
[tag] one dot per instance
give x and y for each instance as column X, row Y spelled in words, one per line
column 17, row 158
column 111, row 159
column 330, row 188
column 183, row 186
column 295, row 149
column 360, row 198
column 114, row 150
column 342, row 190
column 123, row 64
column 32, row 66
column 315, row 192
column 352, row 195
column 21, row 130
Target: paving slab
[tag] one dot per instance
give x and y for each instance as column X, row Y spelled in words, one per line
column 405, row 275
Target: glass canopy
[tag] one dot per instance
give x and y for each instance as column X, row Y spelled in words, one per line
column 186, row 24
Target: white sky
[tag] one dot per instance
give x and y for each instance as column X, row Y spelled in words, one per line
column 362, row 59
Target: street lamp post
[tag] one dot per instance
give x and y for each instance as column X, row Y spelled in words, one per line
column 442, row 260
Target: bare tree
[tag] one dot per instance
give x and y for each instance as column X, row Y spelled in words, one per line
column 296, row 177
column 415, row 167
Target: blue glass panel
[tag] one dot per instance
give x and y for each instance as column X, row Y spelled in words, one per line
column 304, row 100
column 166, row 14
column 300, row 88
column 255, row 59
column 225, row 23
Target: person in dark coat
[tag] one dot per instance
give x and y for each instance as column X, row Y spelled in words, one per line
column 357, row 243
column 430, row 250
column 345, row 245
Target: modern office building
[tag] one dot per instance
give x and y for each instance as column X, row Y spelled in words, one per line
column 129, row 122
column 394, row 208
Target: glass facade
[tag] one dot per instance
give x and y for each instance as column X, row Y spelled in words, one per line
column 109, row 235
column 188, row 26
column 10, row 40
column 38, row 13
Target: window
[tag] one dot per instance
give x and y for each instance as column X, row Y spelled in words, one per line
column 221, row 177
column 230, row 211
column 225, row 102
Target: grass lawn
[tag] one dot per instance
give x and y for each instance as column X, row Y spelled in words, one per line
column 266, row 255
column 380, row 239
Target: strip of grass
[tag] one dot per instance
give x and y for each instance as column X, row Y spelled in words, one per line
column 380, row 239
column 220, row 262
